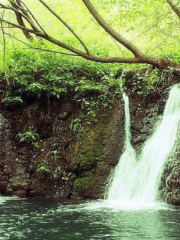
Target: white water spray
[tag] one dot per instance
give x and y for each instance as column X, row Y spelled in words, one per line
column 137, row 179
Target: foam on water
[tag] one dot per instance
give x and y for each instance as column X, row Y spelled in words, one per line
column 4, row 199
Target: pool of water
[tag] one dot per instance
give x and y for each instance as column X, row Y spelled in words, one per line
column 42, row 219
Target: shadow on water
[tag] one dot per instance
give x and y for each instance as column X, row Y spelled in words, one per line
column 49, row 219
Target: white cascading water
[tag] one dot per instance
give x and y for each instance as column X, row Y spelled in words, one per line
column 136, row 179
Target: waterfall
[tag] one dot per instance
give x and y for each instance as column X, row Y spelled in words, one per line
column 136, row 179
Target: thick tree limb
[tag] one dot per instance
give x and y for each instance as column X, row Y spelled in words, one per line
column 45, row 36
column 28, row 11
column 74, row 50
column 174, row 7
column 161, row 63
column 24, row 14
column 127, row 44
column 20, row 15
column 35, row 29
column 20, row 20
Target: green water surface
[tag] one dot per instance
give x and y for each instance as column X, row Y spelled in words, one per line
column 42, row 219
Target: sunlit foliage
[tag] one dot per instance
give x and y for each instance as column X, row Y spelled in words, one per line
column 151, row 25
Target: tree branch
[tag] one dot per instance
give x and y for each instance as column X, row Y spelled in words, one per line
column 4, row 49
column 174, row 7
column 40, row 49
column 46, row 37
column 161, row 63
column 127, row 44
column 65, row 24
column 33, row 16
column 19, row 20
column 23, row 13
column 4, row 42
column 139, row 56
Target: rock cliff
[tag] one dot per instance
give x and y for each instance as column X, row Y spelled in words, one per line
column 55, row 149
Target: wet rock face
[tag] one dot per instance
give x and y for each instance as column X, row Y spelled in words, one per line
column 73, row 155
column 145, row 112
column 169, row 188
column 98, row 153
column 14, row 179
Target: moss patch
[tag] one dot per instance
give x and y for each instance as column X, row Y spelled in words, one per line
column 81, row 185
column 88, row 147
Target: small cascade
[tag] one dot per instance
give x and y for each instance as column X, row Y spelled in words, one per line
column 136, row 179
column 126, row 162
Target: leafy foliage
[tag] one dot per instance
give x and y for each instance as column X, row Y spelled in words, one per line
column 43, row 169
column 44, row 74
column 151, row 25
column 29, row 137
column 10, row 100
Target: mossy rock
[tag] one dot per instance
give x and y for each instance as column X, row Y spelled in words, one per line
column 89, row 149
column 81, row 185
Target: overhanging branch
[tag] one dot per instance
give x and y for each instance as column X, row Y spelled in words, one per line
column 32, row 15
column 127, row 44
column 174, row 7
column 19, row 17
column 76, row 51
column 40, row 49
column 139, row 58
column 65, row 24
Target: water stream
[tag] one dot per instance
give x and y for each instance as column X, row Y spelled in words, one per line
column 136, row 178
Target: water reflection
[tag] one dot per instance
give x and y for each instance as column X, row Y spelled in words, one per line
column 46, row 219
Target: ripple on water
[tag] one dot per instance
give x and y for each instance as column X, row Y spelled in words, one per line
column 4, row 199
column 46, row 219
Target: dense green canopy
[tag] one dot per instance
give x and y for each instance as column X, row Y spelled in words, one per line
column 104, row 31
